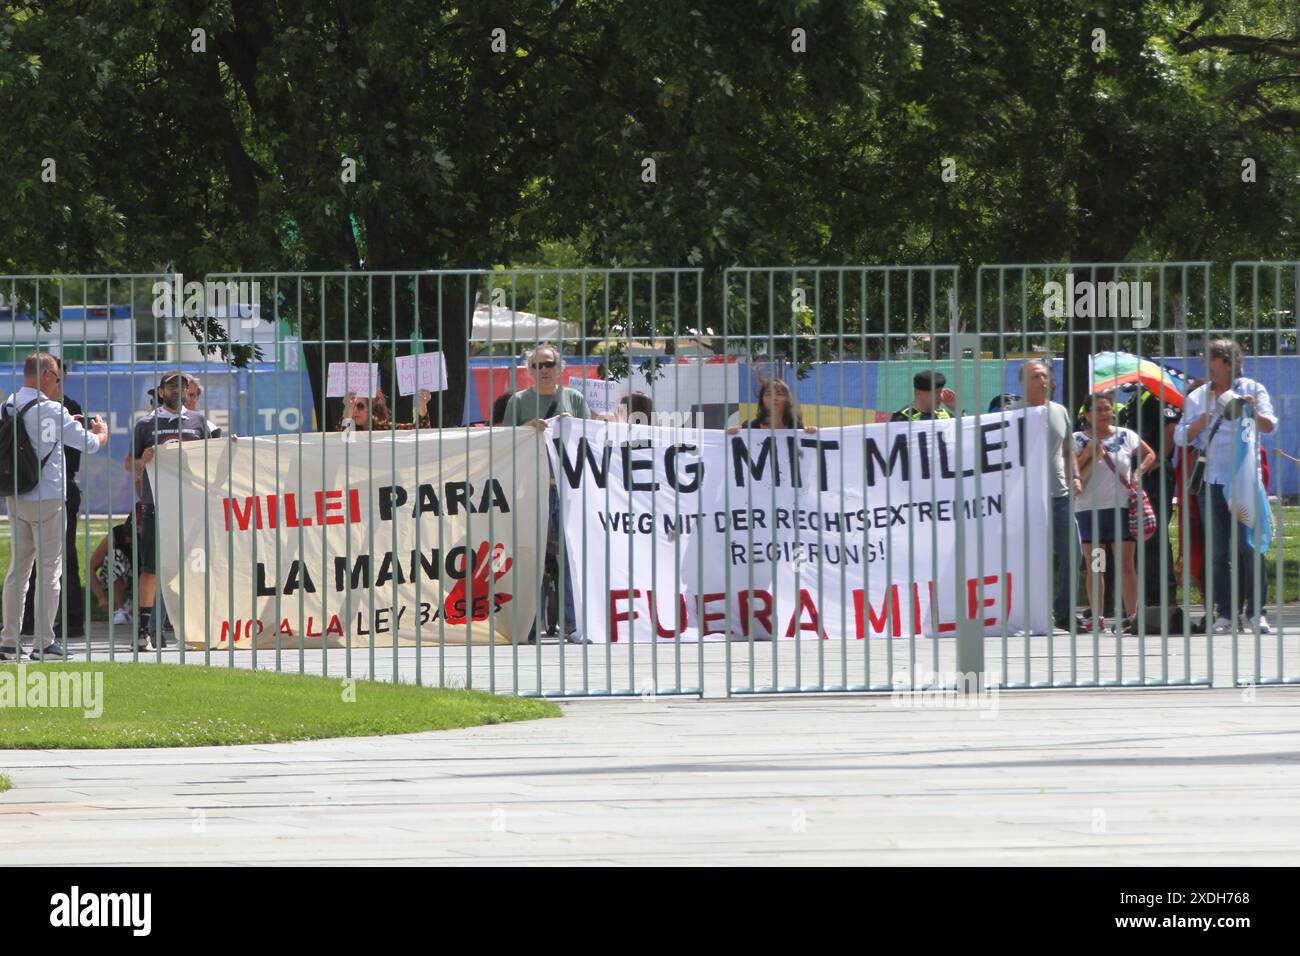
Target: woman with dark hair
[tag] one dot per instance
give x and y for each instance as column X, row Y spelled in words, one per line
column 1104, row 456
column 777, row 408
column 365, row 414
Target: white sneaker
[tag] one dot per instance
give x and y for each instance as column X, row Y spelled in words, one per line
column 1222, row 625
column 121, row 617
column 1261, row 622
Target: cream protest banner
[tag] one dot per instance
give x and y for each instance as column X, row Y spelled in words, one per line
column 846, row 533
column 361, row 538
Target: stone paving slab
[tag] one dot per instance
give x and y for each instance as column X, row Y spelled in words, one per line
column 1115, row 777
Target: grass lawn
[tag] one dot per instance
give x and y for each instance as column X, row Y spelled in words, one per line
column 176, row 705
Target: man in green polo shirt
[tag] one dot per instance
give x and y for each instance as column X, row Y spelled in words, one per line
column 548, row 398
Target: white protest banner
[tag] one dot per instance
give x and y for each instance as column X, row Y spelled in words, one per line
column 421, row 536
column 428, row 370
column 602, row 395
column 352, row 378
column 846, row 533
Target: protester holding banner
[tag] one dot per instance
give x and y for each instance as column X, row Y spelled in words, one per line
column 777, row 408
column 1212, row 416
column 1039, row 386
column 170, row 421
column 547, row 399
column 365, row 414
column 1104, row 459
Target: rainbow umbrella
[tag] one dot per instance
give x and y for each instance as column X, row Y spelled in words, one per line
column 1116, row 370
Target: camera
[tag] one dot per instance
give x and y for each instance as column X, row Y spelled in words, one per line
column 1231, row 406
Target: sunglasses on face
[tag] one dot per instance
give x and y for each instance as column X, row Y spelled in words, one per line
column 361, row 405
column 541, row 365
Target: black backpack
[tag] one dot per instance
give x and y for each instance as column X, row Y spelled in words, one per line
column 20, row 471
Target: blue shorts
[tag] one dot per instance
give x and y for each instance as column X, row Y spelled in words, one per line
column 1105, row 533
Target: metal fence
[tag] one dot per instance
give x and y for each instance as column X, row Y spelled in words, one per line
column 272, row 352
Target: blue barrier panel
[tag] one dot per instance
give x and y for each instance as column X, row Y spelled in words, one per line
column 261, row 399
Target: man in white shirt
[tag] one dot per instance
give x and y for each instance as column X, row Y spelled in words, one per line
column 1036, row 381
column 35, row 522
column 1205, row 427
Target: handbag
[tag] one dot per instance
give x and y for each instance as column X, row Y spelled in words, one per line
column 1142, row 520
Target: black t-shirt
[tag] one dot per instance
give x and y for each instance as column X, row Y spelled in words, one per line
column 1144, row 416
column 72, row 457
column 163, row 426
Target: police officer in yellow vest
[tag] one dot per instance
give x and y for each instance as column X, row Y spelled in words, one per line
column 930, row 395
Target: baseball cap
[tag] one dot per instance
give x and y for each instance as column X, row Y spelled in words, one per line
column 184, row 377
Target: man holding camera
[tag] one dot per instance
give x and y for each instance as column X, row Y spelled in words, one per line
column 1207, row 425
column 35, row 516
column 72, row 587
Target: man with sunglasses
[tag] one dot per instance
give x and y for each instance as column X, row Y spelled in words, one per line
column 72, row 586
column 169, row 421
column 548, row 398
column 35, row 520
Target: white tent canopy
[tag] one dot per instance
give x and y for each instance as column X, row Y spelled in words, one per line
column 505, row 327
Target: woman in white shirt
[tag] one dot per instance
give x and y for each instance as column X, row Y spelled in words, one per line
column 1104, row 458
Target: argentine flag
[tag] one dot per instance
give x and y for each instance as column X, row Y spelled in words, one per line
column 1247, row 499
